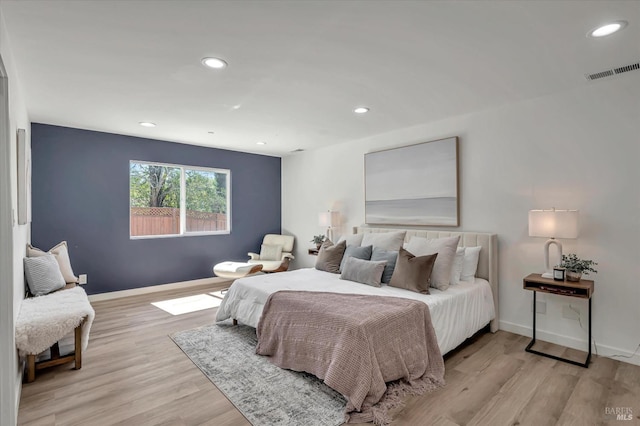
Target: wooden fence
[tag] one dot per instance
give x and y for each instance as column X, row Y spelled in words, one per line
column 203, row 221
column 166, row 220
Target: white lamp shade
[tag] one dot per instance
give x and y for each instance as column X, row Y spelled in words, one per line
column 328, row 219
column 325, row 219
column 553, row 223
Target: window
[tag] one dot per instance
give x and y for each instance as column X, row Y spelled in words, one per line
column 172, row 200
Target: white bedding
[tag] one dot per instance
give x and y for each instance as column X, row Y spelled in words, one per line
column 456, row 313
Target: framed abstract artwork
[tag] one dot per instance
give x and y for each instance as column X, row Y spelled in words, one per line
column 24, row 179
column 413, row 185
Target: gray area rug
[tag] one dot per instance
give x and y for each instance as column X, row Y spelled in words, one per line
column 265, row 394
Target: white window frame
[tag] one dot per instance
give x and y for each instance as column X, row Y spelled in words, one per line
column 183, row 200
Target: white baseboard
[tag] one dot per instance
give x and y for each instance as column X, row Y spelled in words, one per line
column 571, row 342
column 156, row 288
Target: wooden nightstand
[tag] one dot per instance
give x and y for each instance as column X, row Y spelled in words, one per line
column 582, row 289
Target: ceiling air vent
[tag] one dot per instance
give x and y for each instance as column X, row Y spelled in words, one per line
column 298, row 150
column 613, row 71
column 627, row 68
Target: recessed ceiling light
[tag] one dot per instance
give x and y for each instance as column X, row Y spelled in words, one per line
column 147, row 124
column 261, row 143
column 607, row 29
column 361, row 110
column 211, row 132
column 216, row 63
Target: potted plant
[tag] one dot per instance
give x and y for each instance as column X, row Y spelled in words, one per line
column 576, row 267
column 318, row 240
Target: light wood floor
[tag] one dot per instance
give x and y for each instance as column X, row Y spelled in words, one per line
column 133, row 374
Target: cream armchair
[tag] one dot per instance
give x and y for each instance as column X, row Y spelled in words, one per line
column 275, row 253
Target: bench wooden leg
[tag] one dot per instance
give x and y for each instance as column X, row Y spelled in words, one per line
column 78, row 347
column 31, row 368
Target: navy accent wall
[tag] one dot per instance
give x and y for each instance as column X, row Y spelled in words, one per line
column 80, row 193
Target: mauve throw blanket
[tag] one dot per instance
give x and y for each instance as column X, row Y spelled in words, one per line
column 357, row 344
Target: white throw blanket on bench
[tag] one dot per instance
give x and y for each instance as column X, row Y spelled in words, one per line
column 44, row 320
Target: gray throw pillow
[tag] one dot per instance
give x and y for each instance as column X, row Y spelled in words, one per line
column 363, row 271
column 413, row 272
column 43, row 274
column 357, row 252
column 330, row 256
column 390, row 256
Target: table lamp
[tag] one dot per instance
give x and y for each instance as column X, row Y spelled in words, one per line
column 553, row 224
column 328, row 220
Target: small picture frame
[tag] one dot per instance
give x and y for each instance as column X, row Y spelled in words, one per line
column 558, row 274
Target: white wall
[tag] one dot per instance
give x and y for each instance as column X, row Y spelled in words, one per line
column 575, row 150
column 12, row 283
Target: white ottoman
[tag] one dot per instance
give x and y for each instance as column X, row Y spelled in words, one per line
column 236, row 269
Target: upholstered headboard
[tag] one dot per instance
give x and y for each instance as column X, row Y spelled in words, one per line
column 487, row 264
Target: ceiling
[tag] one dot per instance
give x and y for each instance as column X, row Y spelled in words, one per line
column 297, row 69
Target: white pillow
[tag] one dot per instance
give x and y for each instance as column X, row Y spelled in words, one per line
column 456, row 267
column 384, row 240
column 446, row 249
column 470, row 263
column 271, row 252
column 61, row 253
column 352, row 240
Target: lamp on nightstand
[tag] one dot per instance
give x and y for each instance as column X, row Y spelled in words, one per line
column 553, row 224
column 328, row 220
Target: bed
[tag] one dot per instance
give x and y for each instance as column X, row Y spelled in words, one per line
column 371, row 349
column 456, row 313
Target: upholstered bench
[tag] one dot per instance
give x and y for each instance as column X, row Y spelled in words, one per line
column 235, row 270
column 45, row 320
